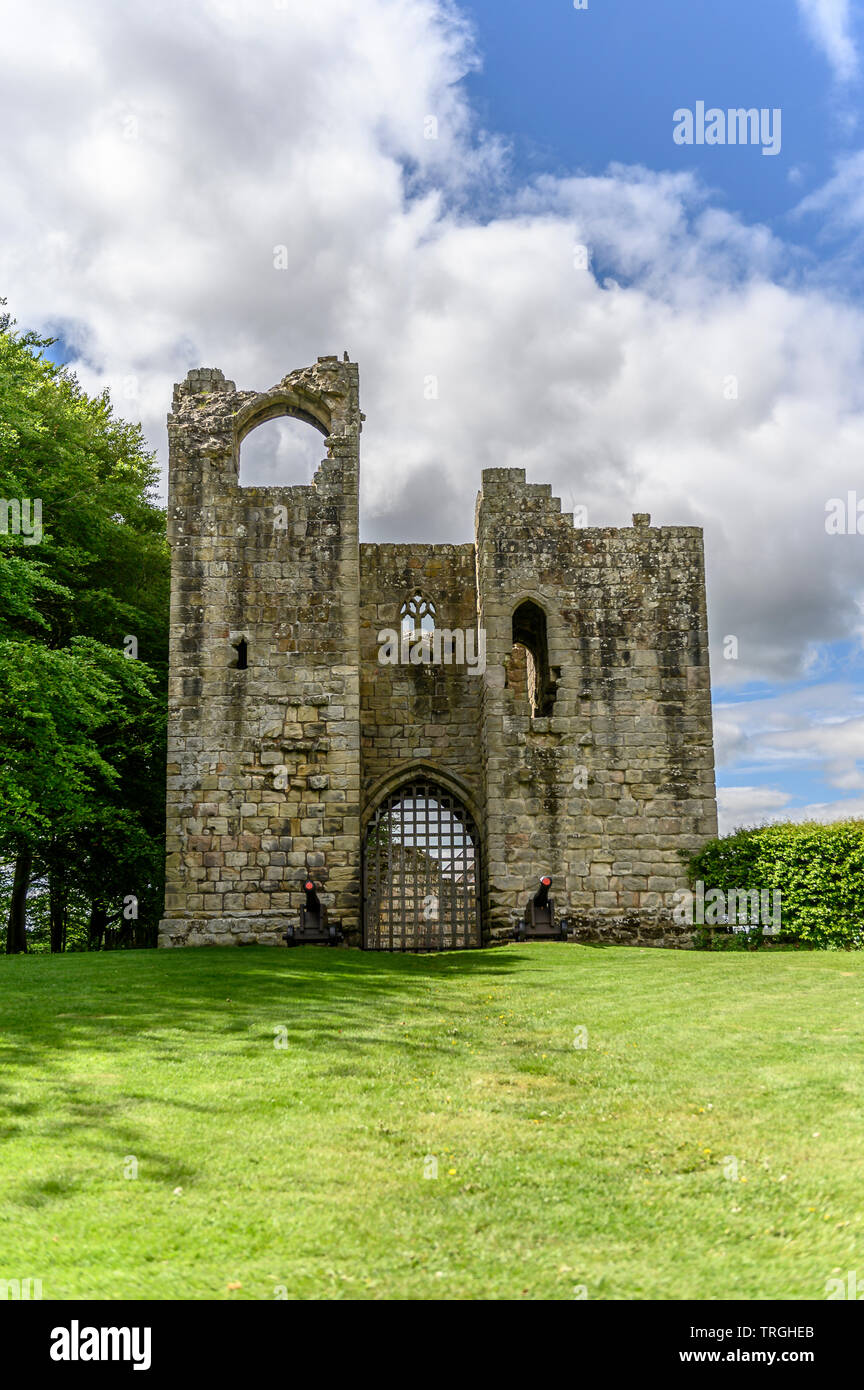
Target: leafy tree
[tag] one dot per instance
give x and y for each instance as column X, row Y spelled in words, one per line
column 83, row 653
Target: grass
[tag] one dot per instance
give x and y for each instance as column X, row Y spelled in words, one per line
column 264, row 1168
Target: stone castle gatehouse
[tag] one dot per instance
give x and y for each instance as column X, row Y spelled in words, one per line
column 423, row 783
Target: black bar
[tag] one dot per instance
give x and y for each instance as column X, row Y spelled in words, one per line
column 820, row 1338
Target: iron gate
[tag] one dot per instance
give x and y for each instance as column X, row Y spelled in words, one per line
column 421, row 873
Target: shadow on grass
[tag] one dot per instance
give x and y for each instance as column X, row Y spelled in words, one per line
column 140, row 999
column 170, row 1007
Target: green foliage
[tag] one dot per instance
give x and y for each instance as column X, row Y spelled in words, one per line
column 818, row 869
column 711, row 939
column 82, row 723
column 39, row 914
column 53, row 703
column 104, row 536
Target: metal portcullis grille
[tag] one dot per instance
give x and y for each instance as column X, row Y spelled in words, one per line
column 421, row 873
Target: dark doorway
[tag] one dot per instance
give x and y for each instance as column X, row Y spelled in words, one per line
column 421, row 873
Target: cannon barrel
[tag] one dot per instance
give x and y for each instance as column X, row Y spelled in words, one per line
column 313, row 903
column 541, row 897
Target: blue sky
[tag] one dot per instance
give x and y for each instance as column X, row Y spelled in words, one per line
column 583, row 89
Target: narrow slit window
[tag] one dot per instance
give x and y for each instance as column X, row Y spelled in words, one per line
column 531, row 675
column 242, row 650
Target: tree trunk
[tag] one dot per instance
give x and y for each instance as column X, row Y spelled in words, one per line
column 96, row 926
column 16, row 931
column 57, row 914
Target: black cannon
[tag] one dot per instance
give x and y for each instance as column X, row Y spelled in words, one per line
column 539, row 922
column 313, row 928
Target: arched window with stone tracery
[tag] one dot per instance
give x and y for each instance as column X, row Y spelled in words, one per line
column 417, row 614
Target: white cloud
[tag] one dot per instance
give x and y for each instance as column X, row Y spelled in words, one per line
column 154, row 156
column 749, row 806
column 839, row 202
column 830, row 23
column 814, row 722
column 740, row 806
column 817, row 732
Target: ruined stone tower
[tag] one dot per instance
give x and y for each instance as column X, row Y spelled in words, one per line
column 423, row 788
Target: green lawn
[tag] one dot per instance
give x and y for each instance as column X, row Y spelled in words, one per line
column 260, row 1167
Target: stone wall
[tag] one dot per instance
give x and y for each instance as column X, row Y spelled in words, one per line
column 606, row 790
column 263, row 775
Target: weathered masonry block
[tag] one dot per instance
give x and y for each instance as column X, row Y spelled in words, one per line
column 546, row 708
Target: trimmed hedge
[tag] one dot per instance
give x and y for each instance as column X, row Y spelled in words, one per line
column 819, row 870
